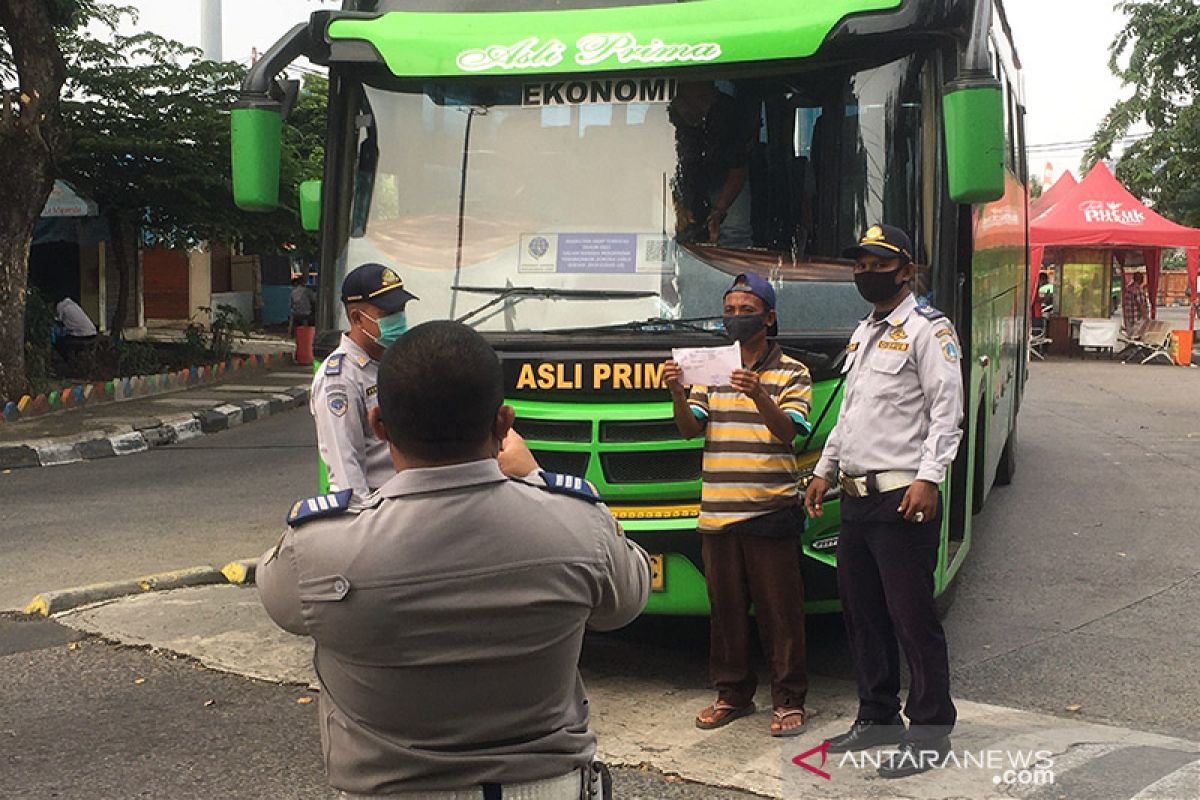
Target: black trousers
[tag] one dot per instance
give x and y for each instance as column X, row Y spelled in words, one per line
column 885, row 580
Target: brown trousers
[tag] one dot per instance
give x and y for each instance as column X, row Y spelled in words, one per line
column 742, row 569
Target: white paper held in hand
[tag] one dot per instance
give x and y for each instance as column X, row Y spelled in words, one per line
column 708, row 366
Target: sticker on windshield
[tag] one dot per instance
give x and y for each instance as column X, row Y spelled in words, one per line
column 593, row 253
column 592, row 50
column 578, row 93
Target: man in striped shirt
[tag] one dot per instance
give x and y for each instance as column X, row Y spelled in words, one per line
column 749, row 512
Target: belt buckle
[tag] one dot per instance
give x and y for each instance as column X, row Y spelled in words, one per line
column 852, row 487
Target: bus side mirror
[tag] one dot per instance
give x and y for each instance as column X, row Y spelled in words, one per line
column 973, row 113
column 310, row 205
column 256, row 138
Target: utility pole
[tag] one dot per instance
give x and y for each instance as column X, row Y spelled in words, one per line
column 210, row 29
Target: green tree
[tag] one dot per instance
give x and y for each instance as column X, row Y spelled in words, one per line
column 149, row 120
column 1158, row 55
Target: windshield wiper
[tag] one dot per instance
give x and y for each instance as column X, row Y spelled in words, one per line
column 650, row 325
column 521, row 292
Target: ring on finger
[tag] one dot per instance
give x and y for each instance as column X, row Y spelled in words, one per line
column 919, row 516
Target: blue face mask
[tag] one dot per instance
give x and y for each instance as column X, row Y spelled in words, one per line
column 391, row 328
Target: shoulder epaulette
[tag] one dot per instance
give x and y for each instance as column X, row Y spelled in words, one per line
column 930, row 313
column 570, row 484
column 325, row 505
column 333, row 364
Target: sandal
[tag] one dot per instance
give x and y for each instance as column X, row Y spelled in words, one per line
column 778, row 728
column 721, row 713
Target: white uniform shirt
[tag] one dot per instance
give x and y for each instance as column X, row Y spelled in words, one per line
column 903, row 400
column 344, row 390
column 74, row 318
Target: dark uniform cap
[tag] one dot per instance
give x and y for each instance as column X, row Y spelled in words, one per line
column 378, row 285
column 760, row 287
column 885, row 241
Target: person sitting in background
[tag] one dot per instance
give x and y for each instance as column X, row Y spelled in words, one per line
column 78, row 326
column 1135, row 306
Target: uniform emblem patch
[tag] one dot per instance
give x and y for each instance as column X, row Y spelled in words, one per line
column 898, row 334
column 900, row 346
column 362, row 361
column 337, row 404
column 372, row 390
column 850, row 348
column 950, row 351
column 944, row 332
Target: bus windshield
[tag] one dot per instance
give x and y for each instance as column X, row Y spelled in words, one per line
column 591, row 202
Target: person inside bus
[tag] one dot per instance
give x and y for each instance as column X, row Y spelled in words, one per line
column 750, row 521
column 714, row 135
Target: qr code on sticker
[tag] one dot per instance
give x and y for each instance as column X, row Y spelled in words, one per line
column 656, row 251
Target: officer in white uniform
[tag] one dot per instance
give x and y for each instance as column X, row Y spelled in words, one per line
column 896, row 435
column 448, row 609
column 344, row 388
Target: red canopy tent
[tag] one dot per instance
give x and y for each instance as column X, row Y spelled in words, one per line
column 1049, row 198
column 1100, row 213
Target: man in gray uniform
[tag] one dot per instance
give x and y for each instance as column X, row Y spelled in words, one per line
column 344, row 388
column 448, row 609
column 896, row 434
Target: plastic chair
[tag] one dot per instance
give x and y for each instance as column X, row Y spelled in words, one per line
column 1038, row 339
column 1156, row 342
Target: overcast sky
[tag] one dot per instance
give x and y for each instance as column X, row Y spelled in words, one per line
column 1063, row 46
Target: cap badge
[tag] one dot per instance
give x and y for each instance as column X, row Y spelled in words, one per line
column 874, row 234
column 388, row 278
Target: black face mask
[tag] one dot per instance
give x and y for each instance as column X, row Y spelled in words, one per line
column 878, row 287
column 743, row 327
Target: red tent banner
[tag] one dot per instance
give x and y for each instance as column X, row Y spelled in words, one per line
column 1049, row 198
column 1101, row 213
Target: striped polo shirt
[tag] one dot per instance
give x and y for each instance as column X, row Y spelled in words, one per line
column 747, row 471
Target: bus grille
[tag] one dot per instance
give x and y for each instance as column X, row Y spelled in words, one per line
column 565, row 463
column 546, row 430
column 652, row 467
column 639, row 431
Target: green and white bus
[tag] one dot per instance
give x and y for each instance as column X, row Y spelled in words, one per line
column 541, row 170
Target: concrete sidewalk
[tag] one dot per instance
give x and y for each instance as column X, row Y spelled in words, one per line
column 131, row 426
column 642, row 697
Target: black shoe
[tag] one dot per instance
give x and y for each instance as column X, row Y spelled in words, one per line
column 865, row 734
column 913, row 758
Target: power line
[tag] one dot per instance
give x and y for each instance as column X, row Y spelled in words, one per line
column 1083, row 143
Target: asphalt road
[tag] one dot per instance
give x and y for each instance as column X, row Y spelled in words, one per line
column 207, row 501
column 1081, row 588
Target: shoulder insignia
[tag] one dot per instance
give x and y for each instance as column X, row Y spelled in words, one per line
column 930, row 313
column 333, row 364
column 570, row 484
column 325, row 505
column 337, row 404
column 941, row 332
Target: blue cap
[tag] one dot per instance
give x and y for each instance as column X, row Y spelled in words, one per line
column 756, row 285
column 378, row 285
column 760, row 287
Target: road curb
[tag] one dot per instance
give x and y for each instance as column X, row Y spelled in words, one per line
column 240, row 572
column 48, row 603
column 153, row 433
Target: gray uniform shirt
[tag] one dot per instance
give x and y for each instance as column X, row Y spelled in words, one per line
column 448, row 613
column 343, row 391
column 903, row 399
